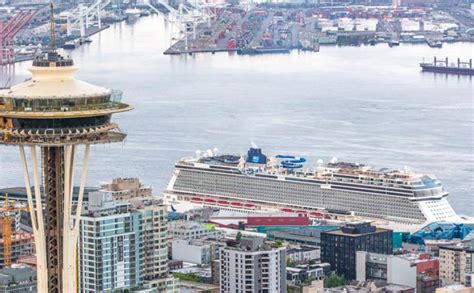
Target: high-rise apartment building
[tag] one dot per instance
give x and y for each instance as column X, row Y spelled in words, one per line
column 124, row 245
column 109, row 246
column 251, row 266
column 456, row 263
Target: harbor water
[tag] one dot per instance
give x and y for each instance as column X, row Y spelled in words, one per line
column 369, row 104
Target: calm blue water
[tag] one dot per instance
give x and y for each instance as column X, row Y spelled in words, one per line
column 364, row 104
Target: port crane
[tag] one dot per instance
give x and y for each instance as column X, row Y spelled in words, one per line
column 7, row 229
column 8, row 30
column 82, row 17
column 185, row 19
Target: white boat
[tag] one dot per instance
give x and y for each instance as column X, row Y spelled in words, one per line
column 132, row 14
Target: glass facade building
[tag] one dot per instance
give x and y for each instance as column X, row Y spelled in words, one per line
column 339, row 247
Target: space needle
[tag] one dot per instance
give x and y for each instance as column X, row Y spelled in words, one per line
column 51, row 118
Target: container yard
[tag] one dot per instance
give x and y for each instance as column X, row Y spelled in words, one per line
column 248, row 29
column 274, row 29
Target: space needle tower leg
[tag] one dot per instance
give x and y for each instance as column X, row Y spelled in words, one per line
column 37, row 220
column 71, row 226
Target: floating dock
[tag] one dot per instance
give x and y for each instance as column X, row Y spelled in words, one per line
column 443, row 66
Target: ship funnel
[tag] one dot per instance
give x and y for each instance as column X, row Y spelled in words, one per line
column 320, row 162
column 215, row 151
column 198, row 153
column 333, row 160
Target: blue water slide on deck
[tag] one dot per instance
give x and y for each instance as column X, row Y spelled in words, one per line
column 291, row 162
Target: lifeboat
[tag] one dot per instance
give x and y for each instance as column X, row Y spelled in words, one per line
column 196, row 199
column 210, row 200
column 316, row 214
column 287, row 210
column 249, row 205
column 223, row 202
column 236, row 204
column 301, row 212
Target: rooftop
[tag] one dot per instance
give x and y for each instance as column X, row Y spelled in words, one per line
column 356, row 230
column 467, row 246
column 20, row 274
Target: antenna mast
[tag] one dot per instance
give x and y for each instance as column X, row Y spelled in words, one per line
column 52, row 40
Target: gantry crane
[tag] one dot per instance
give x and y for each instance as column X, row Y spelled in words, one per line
column 7, row 229
column 8, row 30
column 82, row 17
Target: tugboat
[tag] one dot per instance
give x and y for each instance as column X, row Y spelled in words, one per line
column 73, row 44
column 434, row 43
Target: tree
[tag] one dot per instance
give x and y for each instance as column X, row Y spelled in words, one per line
column 289, row 263
column 278, row 243
column 238, row 236
column 187, row 277
column 334, row 280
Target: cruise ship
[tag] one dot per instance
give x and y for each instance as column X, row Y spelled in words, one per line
column 336, row 191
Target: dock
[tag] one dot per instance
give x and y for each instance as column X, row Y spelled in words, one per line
column 443, row 66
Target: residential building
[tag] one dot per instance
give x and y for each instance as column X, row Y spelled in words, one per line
column 126, row 188
column 252, row 266
column 192, row 251
column 304, row 274
column 110, row 246
column 304, row 254
column 420, row 271
column 154, row 241
column 456, row 263
column 124, row 245
column 193, row 230
column 339, row 247
column 216, row 272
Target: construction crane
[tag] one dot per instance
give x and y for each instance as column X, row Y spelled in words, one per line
column 8, row 30
column 7, row 229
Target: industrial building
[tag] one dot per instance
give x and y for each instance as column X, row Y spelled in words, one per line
column 339, row 247
column 252, row 266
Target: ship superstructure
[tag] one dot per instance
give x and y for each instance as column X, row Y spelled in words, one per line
column 336, row 190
